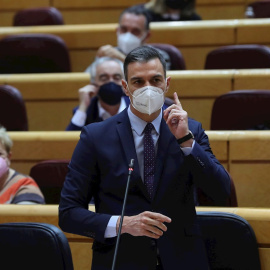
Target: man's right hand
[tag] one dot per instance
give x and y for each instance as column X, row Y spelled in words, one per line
column 85, row 94
column 110, row 51
column 145, row 224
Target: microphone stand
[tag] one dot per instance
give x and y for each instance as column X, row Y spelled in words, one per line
column 130, row 170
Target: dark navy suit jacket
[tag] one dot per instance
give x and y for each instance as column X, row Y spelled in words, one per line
column 99, row 169
column 92, row 114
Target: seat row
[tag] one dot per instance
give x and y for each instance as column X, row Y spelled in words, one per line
column 47, row 95
column 85, row 12
column 194, row 39
column 245, row 154
column 47, row 53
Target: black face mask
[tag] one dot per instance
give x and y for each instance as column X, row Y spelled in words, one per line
column 110, row 93
column 176, row 4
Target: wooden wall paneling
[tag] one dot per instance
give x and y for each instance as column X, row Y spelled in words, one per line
column 197, row 91
column 251, row 79
column 32, row 147
column 250, row 167
column 253, row 31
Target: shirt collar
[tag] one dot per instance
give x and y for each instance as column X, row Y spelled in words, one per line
column 138, row 125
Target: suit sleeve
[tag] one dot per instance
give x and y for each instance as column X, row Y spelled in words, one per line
column 80, row 184
column 207, row 172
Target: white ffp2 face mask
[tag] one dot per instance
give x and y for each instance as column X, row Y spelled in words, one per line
column 127, row 42
column 148, row 99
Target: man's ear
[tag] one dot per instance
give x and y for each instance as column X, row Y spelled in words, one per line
column 124, row 84
column 168, row 83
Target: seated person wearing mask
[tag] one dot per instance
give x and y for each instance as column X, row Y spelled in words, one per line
column 15, row 188
column 132, row 32
column 102, row 98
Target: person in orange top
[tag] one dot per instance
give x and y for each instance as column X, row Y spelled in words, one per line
column 15, row 188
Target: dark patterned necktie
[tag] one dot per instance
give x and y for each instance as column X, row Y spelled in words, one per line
column 149, row 159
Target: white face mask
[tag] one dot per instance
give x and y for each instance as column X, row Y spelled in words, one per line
column 127, row 42
column 148, row 99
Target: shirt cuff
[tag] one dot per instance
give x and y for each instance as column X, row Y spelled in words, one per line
column 79, row 118
column 111, row 227
column 187, row 150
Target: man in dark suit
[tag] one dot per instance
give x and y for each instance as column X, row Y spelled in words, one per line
column 103, row 97
column 159, row 228
column 133, row 30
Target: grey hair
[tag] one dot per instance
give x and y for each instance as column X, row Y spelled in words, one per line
column 5, row 139
column 93, row 68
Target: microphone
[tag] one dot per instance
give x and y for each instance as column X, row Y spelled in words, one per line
column 130, row 170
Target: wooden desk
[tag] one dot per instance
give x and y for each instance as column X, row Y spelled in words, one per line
column 32, row 147
column 249, row 165
column 50, row 98
column 245, row 154
column 80, row 246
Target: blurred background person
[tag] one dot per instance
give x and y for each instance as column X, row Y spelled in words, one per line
column 103, row 97
column 15, row 188
column 171, row 10
column 133, row 31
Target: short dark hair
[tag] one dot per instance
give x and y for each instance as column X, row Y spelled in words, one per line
column 143, row 54
column 137, row 10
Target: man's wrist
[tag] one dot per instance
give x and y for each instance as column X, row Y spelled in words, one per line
column 186, row 138
column 188, row 143
column 117, row 224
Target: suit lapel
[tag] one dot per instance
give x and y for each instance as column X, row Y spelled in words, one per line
column 166, row 146
column 126, row 137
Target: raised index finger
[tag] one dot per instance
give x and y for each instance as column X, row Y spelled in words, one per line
column 177, row 101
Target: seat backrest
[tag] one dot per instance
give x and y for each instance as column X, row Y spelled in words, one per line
column 176, row 57
column 38, row 16
column 241, row 110
column 34, row 246
column 13, row 115
column 244, row 56
column 204, row 200
column 230, row 241
column 261, row 9
column 50, row 176
column 33, row 53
